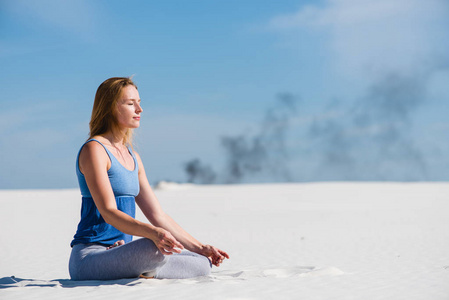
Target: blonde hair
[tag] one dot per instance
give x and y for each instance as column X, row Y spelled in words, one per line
column 104, row 117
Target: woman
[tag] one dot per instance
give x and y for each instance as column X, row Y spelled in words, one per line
column 112, row 179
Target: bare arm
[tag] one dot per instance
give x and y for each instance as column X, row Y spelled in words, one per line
column 94, row 163
column 151, row 208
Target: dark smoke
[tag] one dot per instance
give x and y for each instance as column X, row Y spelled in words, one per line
column 336, row 147
column 199, row 173
column 265, row 153
column 373, row 140
column 261, row 157
column 245, row 156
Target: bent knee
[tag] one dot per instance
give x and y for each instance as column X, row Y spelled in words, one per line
column 206, row 267
column 198, row 266
column 152, row 251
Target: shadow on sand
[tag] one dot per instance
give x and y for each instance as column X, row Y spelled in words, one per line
column 12, row 281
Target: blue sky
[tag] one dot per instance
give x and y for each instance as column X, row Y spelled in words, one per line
column 366, row 84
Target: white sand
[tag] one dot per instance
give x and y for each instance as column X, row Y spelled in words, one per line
column 286, row 241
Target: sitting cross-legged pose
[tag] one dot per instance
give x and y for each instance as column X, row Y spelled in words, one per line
column 112, row 180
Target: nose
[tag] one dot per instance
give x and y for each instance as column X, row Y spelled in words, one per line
column 139, row 108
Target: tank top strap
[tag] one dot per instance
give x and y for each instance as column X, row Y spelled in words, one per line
column 130, row 150
column 114, row 162
column 123, row 180
column 111, row 156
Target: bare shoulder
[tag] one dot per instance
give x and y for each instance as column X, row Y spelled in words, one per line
column 91, row 148
column 93, row 154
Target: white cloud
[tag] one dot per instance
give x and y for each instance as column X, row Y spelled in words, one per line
column 376, row 37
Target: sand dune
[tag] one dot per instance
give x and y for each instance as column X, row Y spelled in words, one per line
column 286, row 241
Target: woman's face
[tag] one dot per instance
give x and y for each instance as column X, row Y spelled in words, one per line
column 128, row 108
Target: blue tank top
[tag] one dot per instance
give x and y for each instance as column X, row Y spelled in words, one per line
column 125, row 184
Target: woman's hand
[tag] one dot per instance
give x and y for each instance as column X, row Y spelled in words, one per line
column 116, row 244
column 215, row 255
column 166, row 243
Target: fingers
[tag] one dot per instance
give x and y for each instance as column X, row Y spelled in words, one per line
column 167, row 244
column 165, row 252
column 217, row 256
column 223, row 253
column 175, row 247
column 168, row 250
column 217, row 261
column 116, row 244
column 179, row 245
column 172, row 244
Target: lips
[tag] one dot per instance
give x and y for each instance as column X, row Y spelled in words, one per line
column 137, row 118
